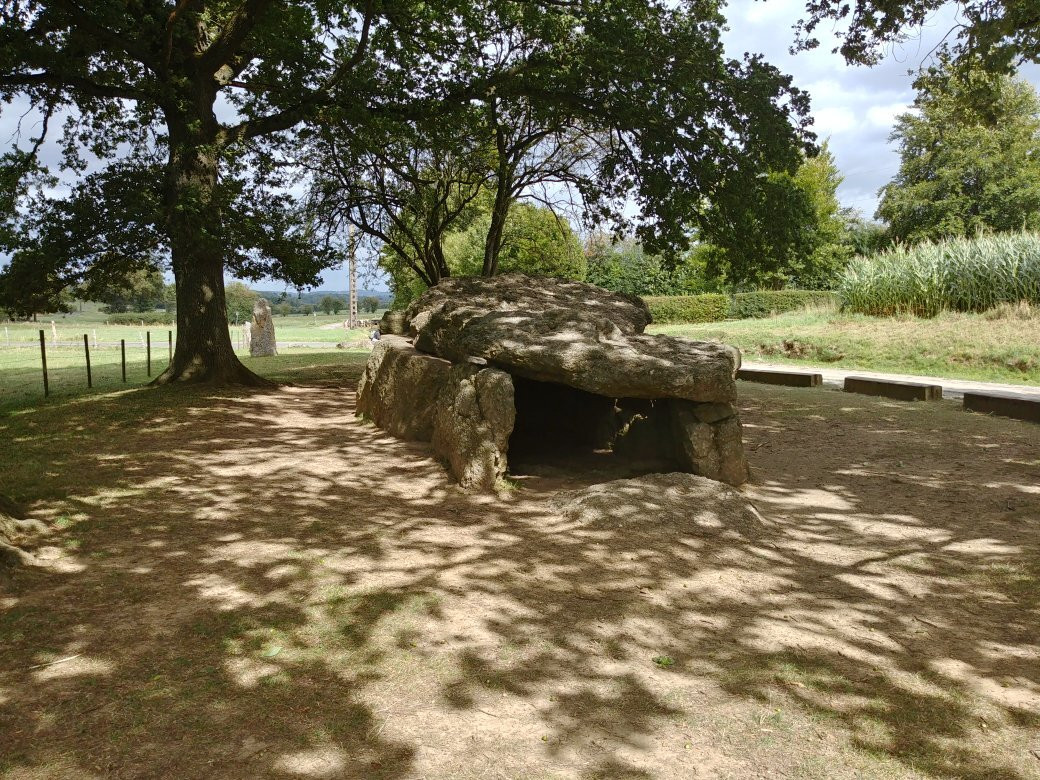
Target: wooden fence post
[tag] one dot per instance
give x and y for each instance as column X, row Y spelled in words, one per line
column 43, row 357
column 122, row 350
column 86, row 349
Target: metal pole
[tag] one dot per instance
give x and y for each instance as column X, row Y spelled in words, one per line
column 43, row 357
column 353, row 316
column 86, row 349
column 148, row 338
column 122, row 349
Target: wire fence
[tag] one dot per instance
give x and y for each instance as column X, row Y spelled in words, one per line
column 47, row 362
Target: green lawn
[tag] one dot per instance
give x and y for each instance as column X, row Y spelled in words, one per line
column 21, row 374
column 21, row 379
column 957, row 346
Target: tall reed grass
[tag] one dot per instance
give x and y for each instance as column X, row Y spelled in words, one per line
column 964, row 274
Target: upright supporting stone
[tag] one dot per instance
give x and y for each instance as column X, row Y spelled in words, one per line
column 474, row 418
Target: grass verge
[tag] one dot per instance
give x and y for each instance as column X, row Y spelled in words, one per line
column 956, row 346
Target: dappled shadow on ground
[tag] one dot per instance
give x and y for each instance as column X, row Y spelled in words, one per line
column 262, row 586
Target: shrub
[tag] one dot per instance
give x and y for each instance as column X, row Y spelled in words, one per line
column 148, row 318
column 963, row 274
column 765, row 303
column 709, row 307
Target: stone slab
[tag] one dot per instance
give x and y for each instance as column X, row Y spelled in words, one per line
column 1003, row 406
column 891, row 388
column 786, row 378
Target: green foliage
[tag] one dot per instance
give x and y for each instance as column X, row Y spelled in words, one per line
column 863, row 236
column 968, row 275
column 239, row 299
column 331, row 304
column 626, row 267
column 788, row 232
column 137, row 318
column 140, row 290
column 368, row 304
column 997, row 33
column 30, row 285
column 970, row 158
column 714, row 307
column 536, row 241
column 708, row 307
column 766, row 303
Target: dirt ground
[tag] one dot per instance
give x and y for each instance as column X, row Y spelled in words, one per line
column 263, row 586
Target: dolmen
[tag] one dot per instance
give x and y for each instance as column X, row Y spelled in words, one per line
column 478, row 365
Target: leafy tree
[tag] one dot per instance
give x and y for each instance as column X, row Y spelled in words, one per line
column 331, row 304
column 240, row 300
column 621, row 100
column 537, row 242
column 996, row 33
column 864, row 236
column 283, row 309
column 626, row 267
column 534, row 240
column 790, row 233
column 368, row 304
column 140, row 291
column 969, row 157
column 170, row 297
column 29, row 285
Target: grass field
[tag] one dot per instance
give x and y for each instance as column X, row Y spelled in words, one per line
column 956, row 346
column 21, row 373
column 256, row 584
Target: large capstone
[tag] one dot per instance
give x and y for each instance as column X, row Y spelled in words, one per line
column 570, row 333
column 262, row 342
column 553, row 369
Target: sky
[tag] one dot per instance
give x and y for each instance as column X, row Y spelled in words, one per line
column 854, row 107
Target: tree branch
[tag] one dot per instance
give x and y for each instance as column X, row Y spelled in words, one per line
column 71, row 82
column 226, row 45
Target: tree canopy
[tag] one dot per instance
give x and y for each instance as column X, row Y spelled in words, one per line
column 182, row 119
column 999, row 33
column 969, row 157
column 790, row 233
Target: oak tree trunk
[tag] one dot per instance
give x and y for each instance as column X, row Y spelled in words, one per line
column 193, row 221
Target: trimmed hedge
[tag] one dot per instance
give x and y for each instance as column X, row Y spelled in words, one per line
column 709, row 307
column 136, row 318
column 765, row 303
column 713, row 307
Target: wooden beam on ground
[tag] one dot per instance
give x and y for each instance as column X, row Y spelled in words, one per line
column 1004, row 405
column 786, row 378
column 892, row 388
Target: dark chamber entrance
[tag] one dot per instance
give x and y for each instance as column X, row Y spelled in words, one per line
column 562, row 429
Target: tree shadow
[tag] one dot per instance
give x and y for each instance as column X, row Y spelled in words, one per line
column 258, row 584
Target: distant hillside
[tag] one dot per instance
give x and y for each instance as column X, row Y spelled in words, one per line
column 314, row 297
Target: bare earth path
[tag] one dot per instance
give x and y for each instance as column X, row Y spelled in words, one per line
column 262, row 586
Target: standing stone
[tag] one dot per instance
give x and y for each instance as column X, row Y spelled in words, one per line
column 262, row 342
